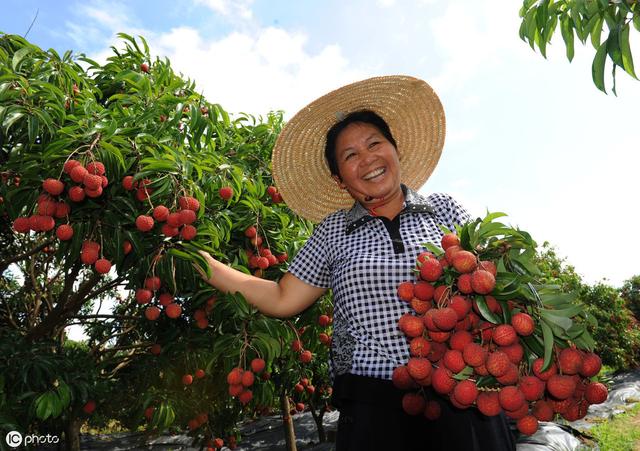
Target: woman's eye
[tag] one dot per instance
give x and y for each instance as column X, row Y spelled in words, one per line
column 349, row 155
column 373, row 144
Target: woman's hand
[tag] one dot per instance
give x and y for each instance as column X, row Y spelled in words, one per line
column 282, row 299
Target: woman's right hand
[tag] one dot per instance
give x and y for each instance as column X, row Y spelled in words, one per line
column 282, row 299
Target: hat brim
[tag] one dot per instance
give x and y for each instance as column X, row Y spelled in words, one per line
column 408, row 105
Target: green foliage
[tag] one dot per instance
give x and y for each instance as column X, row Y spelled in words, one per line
column 620, row 433
column 585, row 19
column 616, row 335
column 140, row 119
column 630, row 292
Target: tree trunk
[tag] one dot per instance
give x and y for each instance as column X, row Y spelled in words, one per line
column 287, row 423
column 317, row 417
column 72, row 434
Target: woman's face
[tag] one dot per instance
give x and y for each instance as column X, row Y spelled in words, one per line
column 368, row 164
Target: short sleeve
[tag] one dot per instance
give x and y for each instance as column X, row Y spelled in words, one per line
column 450, row 212
column 311, row 263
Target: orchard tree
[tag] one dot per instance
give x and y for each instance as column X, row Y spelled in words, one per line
column 586, row 20
column 121, row 172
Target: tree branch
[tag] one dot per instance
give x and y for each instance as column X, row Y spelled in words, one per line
column 4, row 264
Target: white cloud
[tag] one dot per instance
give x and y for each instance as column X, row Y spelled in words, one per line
column 255, row 73
column 237, row 8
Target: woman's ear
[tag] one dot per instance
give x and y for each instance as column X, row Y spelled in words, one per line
column 339, row 181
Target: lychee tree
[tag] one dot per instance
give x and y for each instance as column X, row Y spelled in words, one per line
column 122, row 171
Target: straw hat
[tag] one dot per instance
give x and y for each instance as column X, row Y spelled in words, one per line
column 408, row 105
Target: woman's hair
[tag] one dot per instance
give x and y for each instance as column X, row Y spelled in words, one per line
column 365, row 116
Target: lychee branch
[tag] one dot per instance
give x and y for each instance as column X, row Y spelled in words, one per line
column 4, row 264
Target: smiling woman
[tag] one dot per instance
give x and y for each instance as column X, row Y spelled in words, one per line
column 352, row 159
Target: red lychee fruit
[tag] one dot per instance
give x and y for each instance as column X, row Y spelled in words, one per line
column 431, row 270
column 143, row 296
column 419, row 347
column 257, row 365
column 515, row 352
column 437, row 351
column 21, row 225
column 423, row 291
column 591, row 365
column 439, row 337
column 169, row 231
column 69, row 165
column 234, row 377
column 173, row 310
column 53, row 186
column 47, row 207
column 306, row 356
column 64, row 232
column 453, row 360
column 78, row 174
column 62, row 209
column 498, row 364
column 445, row 318
column 188, row 232
column 165, row 299
column 296, row 345
column 510, row 377
column 531, row 387
column 488, row 266
column 465, row 392
column 441, row 294
column 152, row 283
column 250, row 232
column 420, row 307
column 88, row 256
column 570, row 361
column 528, row 425
column 405, row 291
column 187, row 379
column 482, row 282
column 543, row 375
column 144, row 223
column 523, row 324
column 488, row 403
column 464, row 262
column 160, row 213
column 596, row 393
column 152, row 313
column 432, row 410
column 92, row 182
column 464, row 284
column 448, row 240
column 248, row 378
column 504, row 335
column 103, row 265
column 96, row 168
column 511, row 398
column 76, row 194
column 93, row 193
column 411, row 325
column 460, row 339
column 189, row 203
column 561, row 386
column 474, row 354
column 542, row 410
column 401, row 378
column 441, row 381
column 323, row 320
column 235, row 390
column 187, row 216
column 226, row 192
column 461, row 305
column 89, row 407
column 127, row 183
column 419, row 368
column 413, row 403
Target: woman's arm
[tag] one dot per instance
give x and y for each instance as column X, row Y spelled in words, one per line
column 282, row 299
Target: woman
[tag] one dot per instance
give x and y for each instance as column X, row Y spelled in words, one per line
column 352, row 159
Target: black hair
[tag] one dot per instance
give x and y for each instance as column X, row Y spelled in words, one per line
column 365, row 116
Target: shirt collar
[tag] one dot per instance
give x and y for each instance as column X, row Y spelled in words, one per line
column 413, row 203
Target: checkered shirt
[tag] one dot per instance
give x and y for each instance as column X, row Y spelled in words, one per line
column 355, row 255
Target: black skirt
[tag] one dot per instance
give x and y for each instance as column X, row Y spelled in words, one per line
column 371, row 419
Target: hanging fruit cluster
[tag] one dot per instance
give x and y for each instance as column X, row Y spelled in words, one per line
column 483, row 334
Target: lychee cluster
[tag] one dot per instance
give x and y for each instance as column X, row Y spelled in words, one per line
column 175, row 223
column 473, row 362
column 260, row 257
column 153, row 287
column 240, row 379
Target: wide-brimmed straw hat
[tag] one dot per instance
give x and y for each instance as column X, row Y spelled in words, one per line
column 408, row 105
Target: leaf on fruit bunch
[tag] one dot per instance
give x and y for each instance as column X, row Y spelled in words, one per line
column 491, row 216
column 484, row 310
column 585, row 341
column 551, row 297
column 435, row 250
column 547, row 335
column 464, row 374
column 559, row 320
column 534, row 343
column 226, row 345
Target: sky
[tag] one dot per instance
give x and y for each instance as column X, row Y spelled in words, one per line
column 528, row 136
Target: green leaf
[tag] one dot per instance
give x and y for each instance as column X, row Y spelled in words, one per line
column 19, row 56
column 596, row 31
column 464, row 374
column 597, row 68
column 567, row 35
column 561, row 321
column 627, row 59
column 613, row 46
column 485, row 311
column 547, row 335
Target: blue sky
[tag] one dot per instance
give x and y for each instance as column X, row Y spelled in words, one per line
column 528, row 136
